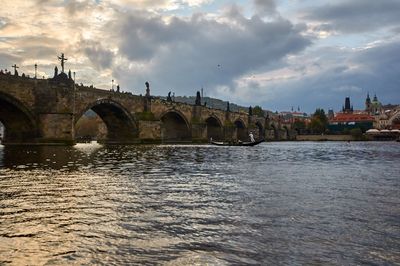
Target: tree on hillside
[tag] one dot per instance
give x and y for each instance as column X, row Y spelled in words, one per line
column 88, row 127
column 258, row 111
column 319, row 121
column 299, row 125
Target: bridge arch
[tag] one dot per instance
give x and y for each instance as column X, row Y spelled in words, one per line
column 214, row 128
column 121, row 125
column 275, row 129
column 20, row 125
column 261, row 130
column 240, row 128
column 287, row 132
column 174, row 127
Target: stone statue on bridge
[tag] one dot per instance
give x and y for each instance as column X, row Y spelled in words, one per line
column 55, row 71
column 169, row 99
column 147, row 89
column 198, row 98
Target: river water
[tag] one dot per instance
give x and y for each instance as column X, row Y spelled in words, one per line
column 288, row 203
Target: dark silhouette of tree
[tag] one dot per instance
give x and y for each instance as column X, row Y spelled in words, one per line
column 319, row 121
column 300, row 125
column 88, row 127
column 356, row 133
column 258, row 111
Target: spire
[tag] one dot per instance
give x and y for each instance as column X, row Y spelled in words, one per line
column 368, row 103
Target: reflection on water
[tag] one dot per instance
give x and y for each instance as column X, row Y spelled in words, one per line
column 276, row 203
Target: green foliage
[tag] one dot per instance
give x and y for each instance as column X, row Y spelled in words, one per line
column 146, row 116
column 196, row 121
column 319, row 121
column 253, row 128
column 356, row 133
column 299, row 125
column 228, row 124
column 258, row 111
column 320, row 114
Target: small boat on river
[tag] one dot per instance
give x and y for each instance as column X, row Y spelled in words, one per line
column 228, row 143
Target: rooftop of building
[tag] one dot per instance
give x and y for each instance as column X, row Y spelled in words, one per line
column 354, row 117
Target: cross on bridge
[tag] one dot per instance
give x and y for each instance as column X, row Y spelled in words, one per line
column 62, row 59
column 15, row 68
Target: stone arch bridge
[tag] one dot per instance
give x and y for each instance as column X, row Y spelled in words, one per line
column 45, row 111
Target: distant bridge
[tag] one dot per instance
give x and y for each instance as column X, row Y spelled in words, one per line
column 45, row 111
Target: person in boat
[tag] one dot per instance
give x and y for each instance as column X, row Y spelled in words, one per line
column 251, row 137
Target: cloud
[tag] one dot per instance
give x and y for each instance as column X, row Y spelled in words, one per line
column 189, row 53
column 265, row 7
column 339, row 73
column 159, row 5
column 73, row 6
column 347, row 88
column 357, row 15
column 100, row 57
column 7, row 60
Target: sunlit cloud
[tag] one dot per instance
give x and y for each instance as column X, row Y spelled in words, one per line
column 159, row 5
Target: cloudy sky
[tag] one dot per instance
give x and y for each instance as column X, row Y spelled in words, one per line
column 273, row 53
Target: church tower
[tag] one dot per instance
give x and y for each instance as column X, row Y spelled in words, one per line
column 347, row 107
column 368, row 104
column 376, row 106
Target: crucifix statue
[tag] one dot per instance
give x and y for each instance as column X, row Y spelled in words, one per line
column 15, row 69
column 62, row 59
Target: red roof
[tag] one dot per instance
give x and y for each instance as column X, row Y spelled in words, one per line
column 343, row 117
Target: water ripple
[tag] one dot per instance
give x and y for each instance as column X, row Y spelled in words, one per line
column 276, row 203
